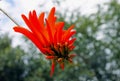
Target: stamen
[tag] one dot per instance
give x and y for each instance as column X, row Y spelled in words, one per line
column 60, row 60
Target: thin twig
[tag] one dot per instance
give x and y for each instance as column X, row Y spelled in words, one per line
column 9, row 17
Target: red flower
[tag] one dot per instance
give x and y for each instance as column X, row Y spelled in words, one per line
column 51, row 39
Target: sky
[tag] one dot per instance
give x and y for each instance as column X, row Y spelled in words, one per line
column 17, row 7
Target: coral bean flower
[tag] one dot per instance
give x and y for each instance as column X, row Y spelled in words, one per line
column 49, row 37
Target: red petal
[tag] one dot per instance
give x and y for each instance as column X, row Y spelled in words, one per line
column 60, row 32
column 27, row 21
column 30, row 16
column 33, row 28
column 51, row 14
column 71, row 47
column 52, row 68
column 34, row 21
column 69, row 35
column 48, row 51
column 41, row 20
column 49, row 31
column 62, row 65
column 30, row 35
column 40, row 28
column 67, row 32
column 71, row 41
column 51, row 17
column 50, row 57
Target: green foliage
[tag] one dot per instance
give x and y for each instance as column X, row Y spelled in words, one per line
column 18, row 65
column 10, row 61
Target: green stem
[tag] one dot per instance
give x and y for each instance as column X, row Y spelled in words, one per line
column 9, row 17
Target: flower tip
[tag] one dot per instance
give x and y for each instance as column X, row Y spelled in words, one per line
column 23, row 16
column 53, row 8
column 15, row 28
column 42, row 14
column 52, row 11
column 34, row 12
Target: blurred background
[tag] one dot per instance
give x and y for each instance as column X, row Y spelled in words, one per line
column 97, row 46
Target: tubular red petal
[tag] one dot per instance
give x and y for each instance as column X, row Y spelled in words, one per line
column 60, row 26
column 48, row 51
column 69, row 35
column 62, row 65
column 55, row 38
column 32, row 26
column 60, row 33
column 49, row 31
column 38, row 27
column 52, row 68
column 35, row 21
column 41, row 20
column 50, row 57
column 27, row 21
column 71, row 47
column 30, row 16
column 67, row 32
column 51, row 14
column 29, row 24
column 28, row 34
column 71, row 41
column 51, row 17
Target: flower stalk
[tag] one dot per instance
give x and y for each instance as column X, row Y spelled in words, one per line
column 9, row 17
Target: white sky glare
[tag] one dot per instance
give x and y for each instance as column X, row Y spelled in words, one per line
column 17, row 7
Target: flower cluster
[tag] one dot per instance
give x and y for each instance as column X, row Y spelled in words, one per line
column 49, row 36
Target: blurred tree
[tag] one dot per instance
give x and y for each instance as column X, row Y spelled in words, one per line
column 18, row 65
column 12, row 67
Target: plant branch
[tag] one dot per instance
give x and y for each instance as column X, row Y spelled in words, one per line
column 9, row 17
